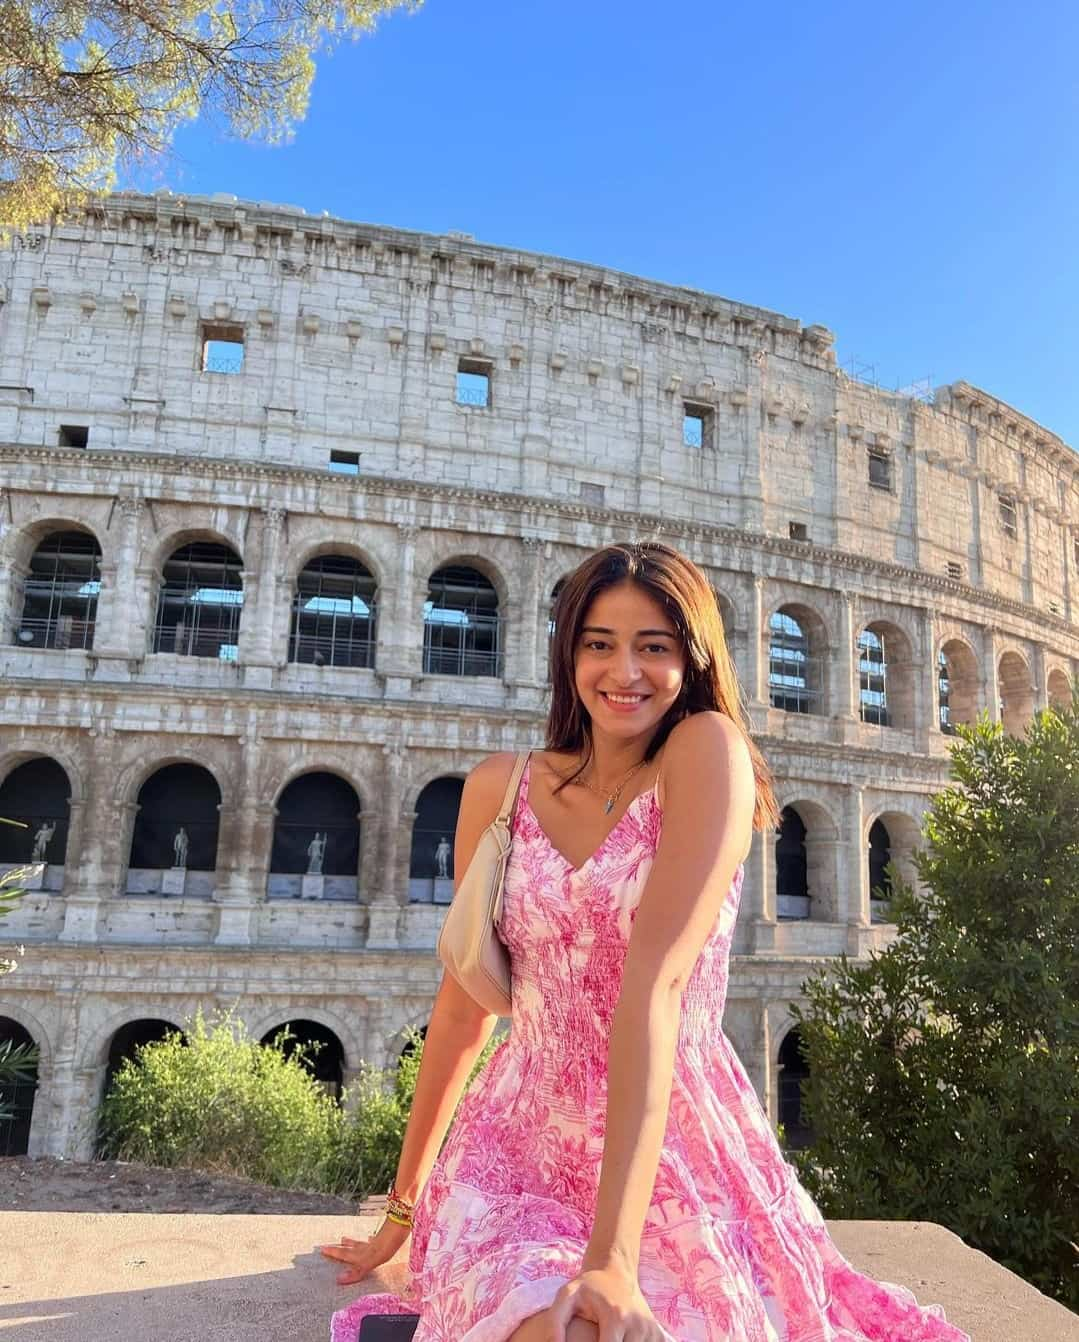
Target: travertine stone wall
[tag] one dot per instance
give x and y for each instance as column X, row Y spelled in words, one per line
column 352, row 337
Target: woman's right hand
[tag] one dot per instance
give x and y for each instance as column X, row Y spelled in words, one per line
column 362, row 1256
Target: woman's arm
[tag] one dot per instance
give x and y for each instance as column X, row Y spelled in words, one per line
column 707, row 824
column 459, row 1028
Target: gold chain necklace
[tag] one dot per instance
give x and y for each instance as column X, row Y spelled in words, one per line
column 613, row 796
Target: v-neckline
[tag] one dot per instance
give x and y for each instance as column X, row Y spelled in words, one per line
column 576, row 871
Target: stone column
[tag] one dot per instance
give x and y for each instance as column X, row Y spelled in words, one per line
column 240, row 879
column 524, row 672
column 991, row 679
column 759, row 639
column 843, row 670
column 1037, row 675
column 121, row 619
column 382, row 925
column 926, row 685
column 400, row 623
column 367, row 876
column 854, row 856
column 760, row 886
column 258, row 633
column 95, row 856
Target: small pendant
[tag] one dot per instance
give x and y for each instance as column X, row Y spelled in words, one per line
column 609, row 807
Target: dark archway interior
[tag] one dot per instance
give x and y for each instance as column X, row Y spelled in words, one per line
column 791, row 866
column 436, row 819
column 131, row 1037
column 16, row 1096
column 325, row 1060
column 178, row 796
column 61, row 591
column 317, row 803
column 880, row 854
column 793, row 1070
column 36, row 793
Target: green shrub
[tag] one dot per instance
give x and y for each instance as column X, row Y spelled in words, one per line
column 220, row 1101
column 944, row 1074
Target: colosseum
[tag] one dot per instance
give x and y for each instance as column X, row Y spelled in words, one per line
column 285, row 501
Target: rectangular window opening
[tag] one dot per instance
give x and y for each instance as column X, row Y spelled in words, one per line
column 473, row 383
column 222, row 348
column 954, row 570
column 590, row 493
column 1009, row 520
column 880, row 470
column 798, row 531
column 73, row 435
column 698, row 425
column 345, row 463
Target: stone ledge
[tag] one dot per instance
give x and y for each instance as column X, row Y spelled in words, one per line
column 127, row 1277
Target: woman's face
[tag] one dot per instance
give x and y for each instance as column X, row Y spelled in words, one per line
column 628, row 664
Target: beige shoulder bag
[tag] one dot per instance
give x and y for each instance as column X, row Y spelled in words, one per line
column 469, row 945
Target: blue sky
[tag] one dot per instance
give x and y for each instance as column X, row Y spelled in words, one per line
column 908, row 176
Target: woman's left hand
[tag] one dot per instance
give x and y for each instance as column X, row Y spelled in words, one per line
column 613, row 1300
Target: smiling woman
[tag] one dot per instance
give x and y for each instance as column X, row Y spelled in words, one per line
column 611, row 1174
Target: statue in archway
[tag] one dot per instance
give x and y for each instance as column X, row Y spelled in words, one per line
column 41, row 840
column 316, row 851
column 179, row 849
column 442, row 858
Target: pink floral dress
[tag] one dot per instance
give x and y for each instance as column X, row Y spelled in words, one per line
column 733, row 1249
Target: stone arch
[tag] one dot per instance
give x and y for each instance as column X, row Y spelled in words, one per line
column 795, row 634
column 805, row 860
column 274, row 1018
column 155, row 833
column 95, row 1052
column 464, row 557
column 902, row 836
column 56, row 589
column 328, row 1063
column 333, row 612
column 199, row 603
column 22, row 749
column 129, row 1037
column 396, row 1038
column 320, row 759
column 19, row 1096
column 886, row 674
column 301, row 555
column 1016, row 686
column 36, row 792
column 132, row 776
column 1058, row 688
column 791, row 1071
column 430, row 868
column 35, row 1027
column 316, row 841
column 176, row 538
column 465, row 622
column 21, row 541
column 959, row 684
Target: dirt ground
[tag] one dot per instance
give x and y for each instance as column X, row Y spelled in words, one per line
column 49, row 1185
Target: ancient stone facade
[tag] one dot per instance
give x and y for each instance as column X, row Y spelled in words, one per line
column 250, row 386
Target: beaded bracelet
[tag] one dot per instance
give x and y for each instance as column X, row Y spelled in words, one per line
column 398, row 1209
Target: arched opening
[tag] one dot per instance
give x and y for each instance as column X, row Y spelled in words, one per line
column 199, row 604
column 333, row 613
column 59, row 608
column 958, row 686
column 552, row 606
column 792, row 867
column 324, row 1054
column 430, row 869
column 129, row 1038
column 886, row 687
column 411, row 1045
column 880, row 883
column 316, row 839
column 37, row 793
column 16, row 1097
column 462, row 628
column 1016, row 694
column 793, row 1071
column 1059, row 689
column 795, row 681
column 175, row 831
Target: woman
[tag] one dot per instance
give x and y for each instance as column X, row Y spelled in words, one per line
column 541, row 1221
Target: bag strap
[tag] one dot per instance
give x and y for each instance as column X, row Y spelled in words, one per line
column 512, row 787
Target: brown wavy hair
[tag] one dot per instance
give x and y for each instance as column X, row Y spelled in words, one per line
column 710, row 681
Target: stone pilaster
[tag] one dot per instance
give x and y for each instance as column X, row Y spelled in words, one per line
column 258, row 626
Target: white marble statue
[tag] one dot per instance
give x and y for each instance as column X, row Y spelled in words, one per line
column 442, row 857
column 41, row 840
column 316, row 851
column 179, row 849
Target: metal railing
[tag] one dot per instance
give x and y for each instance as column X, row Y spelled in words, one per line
column 59, row 632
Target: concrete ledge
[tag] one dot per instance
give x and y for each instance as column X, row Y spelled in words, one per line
column 125, row 1277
